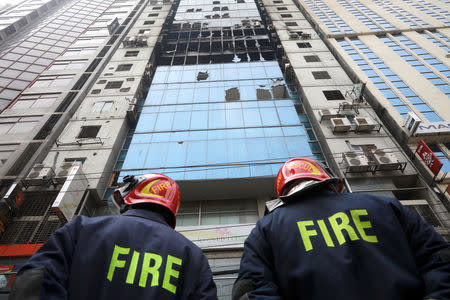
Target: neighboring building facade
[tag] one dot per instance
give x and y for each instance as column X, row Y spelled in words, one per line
column 217, row 95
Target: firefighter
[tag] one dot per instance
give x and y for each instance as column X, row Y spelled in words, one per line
column 318, row 243
column 136, row 255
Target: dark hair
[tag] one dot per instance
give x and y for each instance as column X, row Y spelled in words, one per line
column 162, row 210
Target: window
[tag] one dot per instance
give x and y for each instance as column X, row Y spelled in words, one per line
column 217, row 212
column 35, row 101
column 124, row 67
column 149, row 22
column 6, row 151
column 333, row 95
column 153, row 15
column 131, row 53
column 114, row 85
column 304, row 45
column 291, row 23
column 18, row 125
column 53, row 81
column 286, row 15
column 321, row 75
column 74, row 159
column 282, row 8
column 102, row 106
column 68, row 65
column 157, row 8
column 88, row 132
column 311, row 58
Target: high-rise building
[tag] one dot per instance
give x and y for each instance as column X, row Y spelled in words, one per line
column 217, row 95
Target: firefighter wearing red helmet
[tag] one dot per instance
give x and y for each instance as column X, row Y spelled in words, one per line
column 136, row 255
column 318, row 243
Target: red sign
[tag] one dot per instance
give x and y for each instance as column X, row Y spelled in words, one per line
column 429, row 158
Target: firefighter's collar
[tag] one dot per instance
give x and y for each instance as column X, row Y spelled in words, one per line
column 294, row 193
column 146, row 214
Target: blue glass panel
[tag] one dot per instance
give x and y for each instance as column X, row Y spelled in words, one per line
column 216, row 152
column 217, row 173
column 402, row 109
column 216, row 119
column 257, row 149
column 298, row 146
column 407, row 92
column 196, row 153
column 238, row 172
column 415, row 100
column 395, row 101
column 234, row 118
column 254, row 132
column 237, row 150
column 260, row 170
column 423, row 107
column 288, row 116
column 277, row 148
column 432, row 117
column 273, row 131
column 217, row 134
column 136, row 156
column 156, row 157
column 176, row 154
column 170, row 97
column 181, row 120
column 199, row 120
column 164, row 121
column 146, row 123
column 235, row 133
column 269, row 116
column 388, row 93
column 251, row 118
column 154, row 97
column 186, row 96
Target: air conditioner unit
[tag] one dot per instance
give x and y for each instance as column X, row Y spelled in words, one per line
column 328, row 113
column 356, row 162
column 39, row 174
column 364, row 124
column 412, row 122
column 385, row 160
column 63, row 171
column 340, row 124
column 306, row 36
column 293, row 36
column 132, row 111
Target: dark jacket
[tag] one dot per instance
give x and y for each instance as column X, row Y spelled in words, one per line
column 133, row 256
column 324, row 245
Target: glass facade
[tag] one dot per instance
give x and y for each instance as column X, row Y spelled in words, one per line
column 28, row 54
column 215, row 122
column 429, row 68
column 396, row 91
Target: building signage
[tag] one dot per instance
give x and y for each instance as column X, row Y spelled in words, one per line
column 71, row 193
column 433, row 128
column 218, row 237
column 429, row 158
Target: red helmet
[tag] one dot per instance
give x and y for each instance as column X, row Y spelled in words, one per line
column 149, row 188
column 303, row 168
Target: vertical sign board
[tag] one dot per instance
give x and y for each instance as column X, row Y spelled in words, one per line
column 71, row 194
column 112, row 27
column 428, row 157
